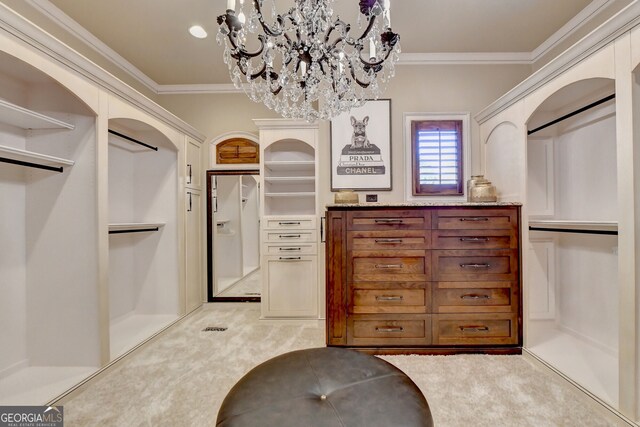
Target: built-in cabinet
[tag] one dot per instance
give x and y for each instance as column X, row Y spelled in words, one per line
column 92, row 225
column 195, row 289
column 565, row 144
column 289, row 219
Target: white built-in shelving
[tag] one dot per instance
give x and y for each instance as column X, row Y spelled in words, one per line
column 572, row 270
column 15, row 115
column 32, row 157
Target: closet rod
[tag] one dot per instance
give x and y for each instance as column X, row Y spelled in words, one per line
column 573, row 113
column 128, row 138
column 135, row 230
column 571, row 230
column 31, row 165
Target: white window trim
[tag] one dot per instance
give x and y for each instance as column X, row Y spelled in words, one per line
column 466, row 153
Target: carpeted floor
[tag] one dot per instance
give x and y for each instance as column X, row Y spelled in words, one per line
column 181, row 379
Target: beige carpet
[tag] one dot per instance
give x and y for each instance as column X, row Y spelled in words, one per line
column 181, row 379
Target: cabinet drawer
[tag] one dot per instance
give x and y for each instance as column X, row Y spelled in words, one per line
column 273, row 236
column 389, row 330
column 470, row 218
column 389, row 298
column 489, row 265
column 303, row 248
column 389, row 220
column 472, row 329
column 389, row 240
column 404, row 266
column 474, row 297
column 289, row 223
column 474, row 239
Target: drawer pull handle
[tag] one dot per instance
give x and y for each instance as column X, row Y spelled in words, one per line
column 474, row 239
column 388, row 221
column 388, row 241
column 475, row 218
column 289, row 258
column 390, row 329
column 388, row 266
column 483, row 265
column 475, row 296
column 289, row 236
column 474, row 328
column 290, row 249
column 289, row 223
column 389, row 297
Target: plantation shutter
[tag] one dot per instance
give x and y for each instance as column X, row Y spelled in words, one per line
column 437, row 157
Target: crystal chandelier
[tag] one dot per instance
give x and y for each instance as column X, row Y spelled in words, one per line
column 303, row 63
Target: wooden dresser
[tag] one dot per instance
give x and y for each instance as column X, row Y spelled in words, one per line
column 424, row 279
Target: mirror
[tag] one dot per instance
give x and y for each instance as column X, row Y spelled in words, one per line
column 233, row 213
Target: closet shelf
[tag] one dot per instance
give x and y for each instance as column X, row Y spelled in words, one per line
column 134, row 227
column 24, row 118
column 573, row 226
column 32, row 159
column 282, row 165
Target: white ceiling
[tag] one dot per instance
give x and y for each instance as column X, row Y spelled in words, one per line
column 152, row 34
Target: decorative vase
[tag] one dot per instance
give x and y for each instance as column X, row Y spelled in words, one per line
column 483, row 191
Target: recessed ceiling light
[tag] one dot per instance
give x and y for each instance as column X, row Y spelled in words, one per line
column 198, row 32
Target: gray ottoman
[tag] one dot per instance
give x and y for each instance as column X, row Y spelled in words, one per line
column 324, row 387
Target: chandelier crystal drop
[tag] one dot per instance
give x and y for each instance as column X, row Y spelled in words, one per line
column 304, row 64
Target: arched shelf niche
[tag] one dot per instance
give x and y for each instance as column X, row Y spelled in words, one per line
column 572, row 319
column 143, row 233
column 49, row 295
column 503, row 165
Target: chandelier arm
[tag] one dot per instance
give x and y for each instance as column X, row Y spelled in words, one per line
column 376, row 63
column 242, row 52
column 365, row 33
column 268, row 30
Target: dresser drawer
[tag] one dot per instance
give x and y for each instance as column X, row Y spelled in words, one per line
column 480, row 265
column 293, row 236
column 289, row 223
column 389, row 329
column 368, row 298
column 472, row 329
column 289, row 249
column 474, row 239
column 403, row 266
column 389, row 240
column 471, row 219
column 474, row 297
column 389, row 220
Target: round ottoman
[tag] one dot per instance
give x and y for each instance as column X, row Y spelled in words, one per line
column 322, row 387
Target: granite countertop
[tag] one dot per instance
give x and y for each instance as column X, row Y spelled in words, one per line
column 420, row 204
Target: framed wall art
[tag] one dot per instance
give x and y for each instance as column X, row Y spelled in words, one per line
column 361, row 148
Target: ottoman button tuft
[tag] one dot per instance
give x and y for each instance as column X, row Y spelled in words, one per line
column 323, row 397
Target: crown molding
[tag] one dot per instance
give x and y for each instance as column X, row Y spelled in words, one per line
column 574, row 24
column 465, row 58
column 444, row 58
column 26, row 31
column 64, row 21
column 198, row 89
column 606, row 33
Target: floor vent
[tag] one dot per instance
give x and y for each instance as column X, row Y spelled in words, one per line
column 214, row 329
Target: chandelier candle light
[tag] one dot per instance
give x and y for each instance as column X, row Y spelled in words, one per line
column 303, row 63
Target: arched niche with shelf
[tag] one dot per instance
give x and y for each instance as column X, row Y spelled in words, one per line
column 49, row 294
column 572, row 214
column 143, row 233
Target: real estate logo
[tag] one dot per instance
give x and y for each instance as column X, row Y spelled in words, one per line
column 31, row 416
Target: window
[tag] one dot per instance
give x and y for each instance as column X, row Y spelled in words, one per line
column 437, row 158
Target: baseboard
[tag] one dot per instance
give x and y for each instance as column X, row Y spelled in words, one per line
column 603, row 408
column 314, row 323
